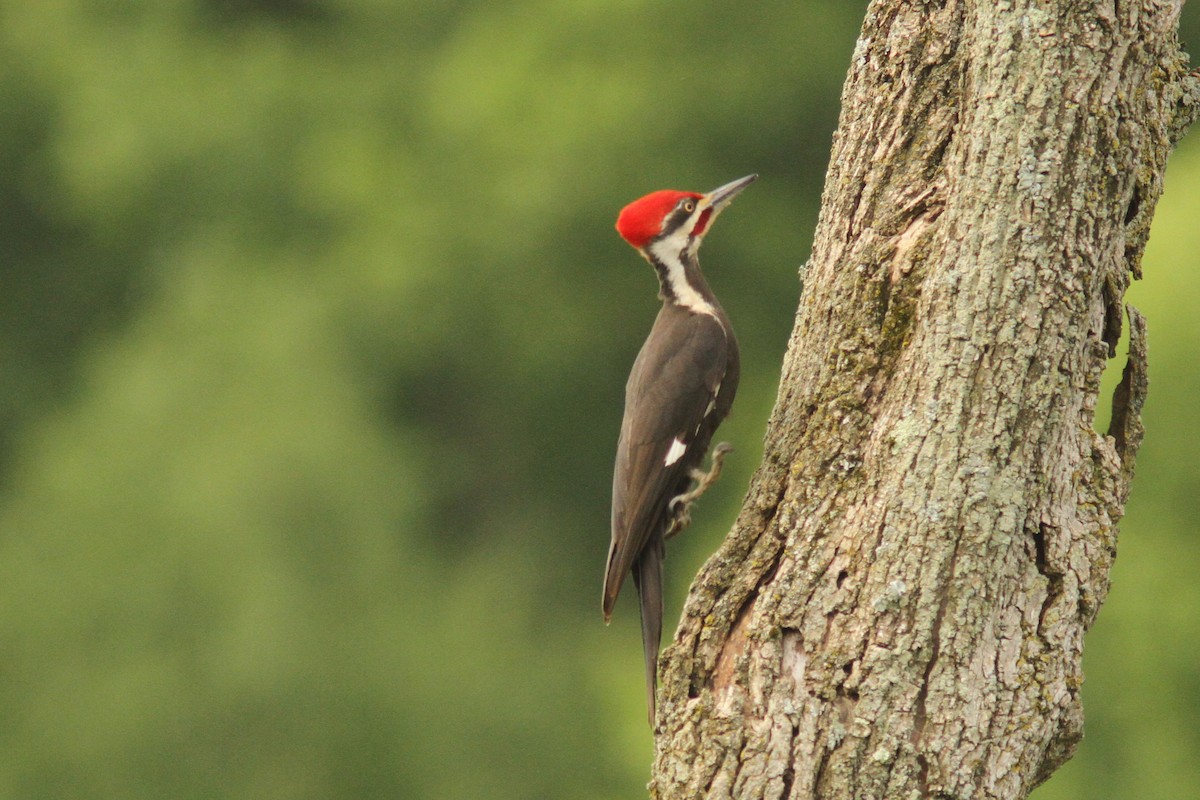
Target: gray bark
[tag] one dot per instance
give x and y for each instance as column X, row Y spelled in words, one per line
column 900, row 608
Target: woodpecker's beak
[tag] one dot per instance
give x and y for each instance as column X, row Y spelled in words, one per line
column 722, row 196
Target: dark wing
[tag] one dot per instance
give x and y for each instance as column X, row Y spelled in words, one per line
column 674, row 379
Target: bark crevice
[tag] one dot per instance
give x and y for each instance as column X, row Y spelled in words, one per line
column 1126, row 427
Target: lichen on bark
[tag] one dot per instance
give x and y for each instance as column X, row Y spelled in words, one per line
column 899, row 610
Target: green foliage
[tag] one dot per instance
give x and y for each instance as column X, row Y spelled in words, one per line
column 316, row 332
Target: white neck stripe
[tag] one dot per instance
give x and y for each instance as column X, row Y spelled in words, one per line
column 667, row 251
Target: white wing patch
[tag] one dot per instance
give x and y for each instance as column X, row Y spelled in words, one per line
column 678, row 448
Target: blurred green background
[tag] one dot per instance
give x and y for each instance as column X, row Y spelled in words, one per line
column 315, row 331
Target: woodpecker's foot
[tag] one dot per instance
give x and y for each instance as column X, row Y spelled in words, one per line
column 680, row 521
column 682, row 504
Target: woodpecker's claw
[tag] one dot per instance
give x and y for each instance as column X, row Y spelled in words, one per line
column 683, row 502
column 703, row 479
column 680, row 521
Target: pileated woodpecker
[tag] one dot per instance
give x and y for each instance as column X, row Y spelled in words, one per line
column 681, row 387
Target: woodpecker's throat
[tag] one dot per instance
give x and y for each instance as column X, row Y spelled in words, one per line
column 679, row 277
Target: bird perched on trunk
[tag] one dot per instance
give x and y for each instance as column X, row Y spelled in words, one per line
column 681, row 387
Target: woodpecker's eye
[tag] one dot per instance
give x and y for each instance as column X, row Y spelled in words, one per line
column 689, row 206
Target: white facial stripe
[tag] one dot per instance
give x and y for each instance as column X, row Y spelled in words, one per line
column 667, row 252
column 678, row 448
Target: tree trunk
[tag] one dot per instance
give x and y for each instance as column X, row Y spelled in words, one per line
column 899, row 610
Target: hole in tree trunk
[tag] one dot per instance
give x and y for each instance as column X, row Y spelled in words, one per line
column 1135, row 204
column 1113, row 370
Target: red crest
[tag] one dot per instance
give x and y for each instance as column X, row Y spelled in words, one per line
column 642, row 220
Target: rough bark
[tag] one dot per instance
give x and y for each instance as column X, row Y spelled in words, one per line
column 900, row 608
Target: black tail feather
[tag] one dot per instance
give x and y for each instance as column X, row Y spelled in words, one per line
column 648, row 575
